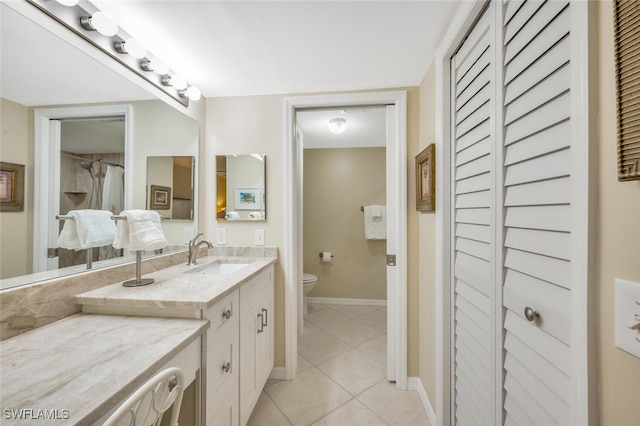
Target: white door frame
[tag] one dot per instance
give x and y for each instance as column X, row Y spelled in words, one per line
column 584, row 378
column 47, row 170
column 293, row 220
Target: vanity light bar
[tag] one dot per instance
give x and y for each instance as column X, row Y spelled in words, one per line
column 87, row 21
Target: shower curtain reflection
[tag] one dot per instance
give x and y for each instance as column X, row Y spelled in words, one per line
column 90, row 181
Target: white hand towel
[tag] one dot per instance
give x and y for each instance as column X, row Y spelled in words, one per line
column 255, row 215
column 375, row 222
column 113, row 189
column 142, row 230
column 89, row 228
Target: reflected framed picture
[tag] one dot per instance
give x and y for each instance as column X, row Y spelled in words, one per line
column 11, row 187
column 248, row 199
column 426, row 180
column 160, row 197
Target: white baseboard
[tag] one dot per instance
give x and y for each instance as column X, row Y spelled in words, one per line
column 341, row 301
column 277, row 373
column 415, row 384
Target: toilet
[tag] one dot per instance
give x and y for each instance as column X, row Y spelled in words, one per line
column 309, row 281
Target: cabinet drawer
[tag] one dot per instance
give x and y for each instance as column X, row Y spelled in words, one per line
column 224, row 313
column 228, row 413
column 254, row 289
column 222, row 369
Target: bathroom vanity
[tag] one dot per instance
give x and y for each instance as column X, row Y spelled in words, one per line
column 79, row 369
column 235, row 294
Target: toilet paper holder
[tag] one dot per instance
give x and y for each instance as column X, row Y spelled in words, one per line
column 321, row 255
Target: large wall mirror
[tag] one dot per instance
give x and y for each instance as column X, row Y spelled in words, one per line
column 241, row 192
column 85, row 135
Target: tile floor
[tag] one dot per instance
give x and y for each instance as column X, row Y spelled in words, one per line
column 341, row 378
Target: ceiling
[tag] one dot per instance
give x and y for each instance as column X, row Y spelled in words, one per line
column 237, row 48
column 366, row 127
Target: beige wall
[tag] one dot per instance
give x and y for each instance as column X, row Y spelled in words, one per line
column 254, row 124
column 336, row 183
column 427, row 246
column 618, row 249
column 16, row 244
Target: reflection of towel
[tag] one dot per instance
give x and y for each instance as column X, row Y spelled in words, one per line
column 141, row 230
column 232, row 215
column 113, row 189
column 89, row 228
column 375, row 222
column 255, row 215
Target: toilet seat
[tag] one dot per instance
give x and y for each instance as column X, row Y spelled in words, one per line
column 307, row 278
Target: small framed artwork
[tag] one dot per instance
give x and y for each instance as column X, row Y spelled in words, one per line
column 248, row 199
column 426, row 180
column 160, row 197
column 11, row 187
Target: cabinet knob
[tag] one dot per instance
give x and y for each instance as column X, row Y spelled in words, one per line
column 530, row 314
column 226, row 314
column 227, row 367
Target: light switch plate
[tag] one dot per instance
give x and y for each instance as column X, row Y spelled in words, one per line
column 221, row 236
column 259, row 237
column 627, row 299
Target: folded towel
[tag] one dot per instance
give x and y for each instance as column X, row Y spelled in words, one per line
column 142, row 230
column 375, row 222
column 89, row 228
column 255, row 215
column 232, row 215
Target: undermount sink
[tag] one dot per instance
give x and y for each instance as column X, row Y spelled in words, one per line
column 218, row 267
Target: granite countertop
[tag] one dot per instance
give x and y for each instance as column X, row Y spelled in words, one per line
column 182, row 286
column 84, row 365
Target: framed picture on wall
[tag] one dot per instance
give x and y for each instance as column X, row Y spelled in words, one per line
column 248, row 199
column 426, row 180
column 160, row 197
column 11, row 187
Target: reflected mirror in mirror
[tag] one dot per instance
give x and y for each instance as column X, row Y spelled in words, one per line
column 68, row 171
column 170, row 187
column 241, row 191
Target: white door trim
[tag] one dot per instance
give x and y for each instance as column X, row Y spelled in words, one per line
column 293, row 219
column 47, row 161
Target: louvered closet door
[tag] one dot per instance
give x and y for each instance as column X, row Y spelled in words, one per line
column 473, row 290
column 537, row 213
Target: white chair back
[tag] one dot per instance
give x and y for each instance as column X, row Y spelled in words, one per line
column 146, row 406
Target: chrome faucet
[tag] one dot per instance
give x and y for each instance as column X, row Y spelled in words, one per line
column 193, row 248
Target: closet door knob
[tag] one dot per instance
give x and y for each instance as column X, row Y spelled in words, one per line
column 530, row 314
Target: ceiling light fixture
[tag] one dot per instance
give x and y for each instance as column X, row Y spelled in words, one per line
column 337, row 125
column 85, row 19
column 100, row 22
column 132, row 47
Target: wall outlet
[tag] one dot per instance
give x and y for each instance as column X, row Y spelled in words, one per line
column 221, row 236
column 259, row 237
column 188, row 235
column 627, row 316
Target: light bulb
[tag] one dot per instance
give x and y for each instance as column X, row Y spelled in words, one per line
column 193, row 93
column 337, row 125
column 159, row 67
column 178, row 82
column 134, row 48
column 104, row 24
column 68, row 2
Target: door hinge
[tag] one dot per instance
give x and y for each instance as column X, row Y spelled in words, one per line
column 52, row 252
column 391, row 260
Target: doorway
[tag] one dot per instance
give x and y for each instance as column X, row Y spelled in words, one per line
column 47, row 182
column 396, row 222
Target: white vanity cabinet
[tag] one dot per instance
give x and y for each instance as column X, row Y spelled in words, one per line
column 256, row 340
column 239, row 351
column 221, row 352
